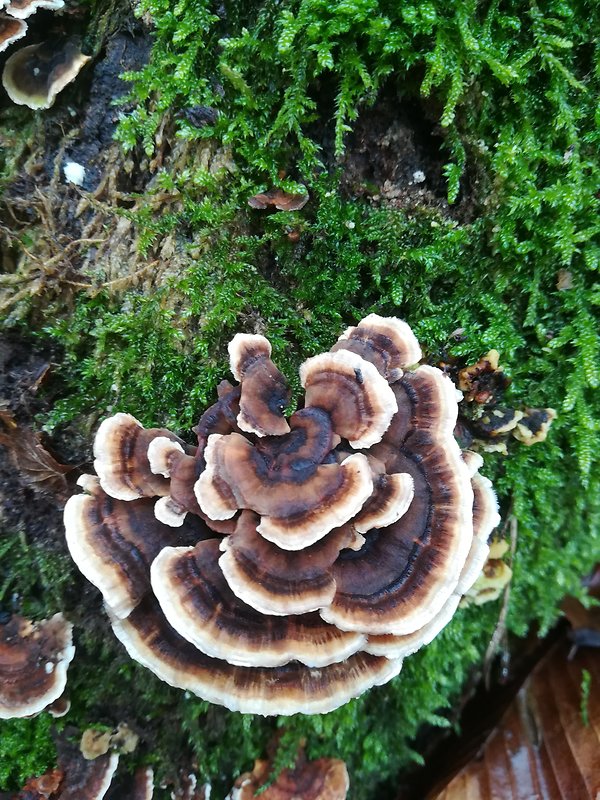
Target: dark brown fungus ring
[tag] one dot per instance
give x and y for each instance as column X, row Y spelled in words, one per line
column 382, row 587
column 272, row 569
column 357, row 398
column 199, row 604
column 34, row 658
column 87, row 780
column 121, row 458
column 534, row 425
column 290, row 689
column 34, row 75
column 276, row 581
column 113, row 542
column 298, row 506
column 388, row 343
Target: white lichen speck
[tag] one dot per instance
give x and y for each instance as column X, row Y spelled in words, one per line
column 74, row 173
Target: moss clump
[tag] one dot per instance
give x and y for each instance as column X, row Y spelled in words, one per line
column 26, row 749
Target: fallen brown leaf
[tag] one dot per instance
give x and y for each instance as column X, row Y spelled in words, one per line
column 34, row 463
column 546, row 745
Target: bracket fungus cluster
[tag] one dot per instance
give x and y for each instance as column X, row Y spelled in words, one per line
column 34, row 658
column 282, row 565
column 34, row 75
column 486, row 423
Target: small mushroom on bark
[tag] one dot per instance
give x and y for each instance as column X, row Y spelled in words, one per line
column 534, row 425
column 272, row 569
column 36, row 74
column 323, row 779
column 34, row 658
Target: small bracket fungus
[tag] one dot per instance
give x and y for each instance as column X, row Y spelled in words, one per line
column 34, row 75
column 34, row 658
column 11, row 30
column 484, row 420
column 273, row 568
column 323, row 779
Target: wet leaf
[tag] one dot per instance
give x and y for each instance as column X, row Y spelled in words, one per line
column 542, row 747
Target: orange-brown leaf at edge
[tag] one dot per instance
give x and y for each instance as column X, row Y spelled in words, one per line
column 34, row 463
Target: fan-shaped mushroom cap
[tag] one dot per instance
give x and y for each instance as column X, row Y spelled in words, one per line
column 485, row 519
column 89, row 780
column 276, row 581
column 356, row 396
column 324, row 779
column 121, row 458
column 404, row 574
column 143, row 784
column 496, row 421
column 21, row 9
column 298, row 506
column 34, row 75
column 534, row 425
column 168, row 458
column 264, row 393
column 386, row 342
column 220, row 417
column 113, row 542
column 60, row 707
column 34, row 658
column 199, row 604
column 390, row 500
column 289, row 689
column 11, row 30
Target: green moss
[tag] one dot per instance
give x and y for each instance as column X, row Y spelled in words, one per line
column 26, row 749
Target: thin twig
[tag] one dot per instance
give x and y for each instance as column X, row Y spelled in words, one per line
column 500, row 630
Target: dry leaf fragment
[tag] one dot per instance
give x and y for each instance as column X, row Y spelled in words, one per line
column 283, row 201
column 40, row 470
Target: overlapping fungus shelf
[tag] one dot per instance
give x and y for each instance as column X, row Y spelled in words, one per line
column 286, row 565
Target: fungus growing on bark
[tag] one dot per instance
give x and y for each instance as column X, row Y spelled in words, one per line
column 534, row 425
column 34, row 75
column 34, row 657
column 273, row 569
column 323, row 779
